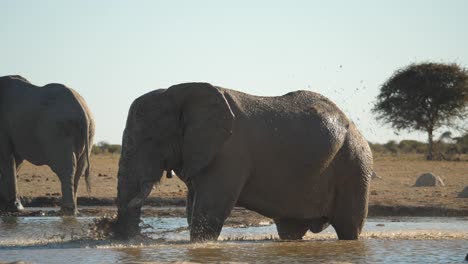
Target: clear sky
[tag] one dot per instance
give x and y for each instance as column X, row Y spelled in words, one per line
column 113, row 51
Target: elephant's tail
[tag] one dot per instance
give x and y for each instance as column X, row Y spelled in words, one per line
column 88, row 134
column 87, row 153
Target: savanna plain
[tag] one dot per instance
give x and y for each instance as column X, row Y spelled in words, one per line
column 390, row 194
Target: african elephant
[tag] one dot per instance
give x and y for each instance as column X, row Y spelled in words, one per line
column 49, row 125
column 294, row 158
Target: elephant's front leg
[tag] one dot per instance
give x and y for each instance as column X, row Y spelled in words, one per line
column 210, row 210
column 189, row 206
column 215, row 194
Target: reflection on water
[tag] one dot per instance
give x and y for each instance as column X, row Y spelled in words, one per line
column 41, row 230
column 55, row 239
column 371, row 251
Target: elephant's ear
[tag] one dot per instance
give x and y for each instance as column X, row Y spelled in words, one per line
column 206, row 122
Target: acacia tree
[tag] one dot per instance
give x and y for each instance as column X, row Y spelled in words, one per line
column 424, row 97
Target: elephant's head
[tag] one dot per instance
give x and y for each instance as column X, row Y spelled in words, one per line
column 181, row 129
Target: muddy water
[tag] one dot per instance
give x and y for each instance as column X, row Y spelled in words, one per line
column 390, row 240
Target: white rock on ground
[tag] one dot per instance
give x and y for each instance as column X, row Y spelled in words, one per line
column 428, row 180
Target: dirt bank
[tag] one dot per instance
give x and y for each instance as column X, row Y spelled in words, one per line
column 162, row 206
column 392, row 195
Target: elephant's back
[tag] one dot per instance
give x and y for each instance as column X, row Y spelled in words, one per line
column 293, row 105
column 14, row 89
column 62, row 113
column 86, row 111
column 310, row 102
column 68, row 112
column 298, row 113
column 294, row 121
column 59, row 101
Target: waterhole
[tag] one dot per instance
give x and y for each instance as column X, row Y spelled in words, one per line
column 70, row 239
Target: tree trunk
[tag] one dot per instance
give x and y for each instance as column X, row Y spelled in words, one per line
column 430, row 154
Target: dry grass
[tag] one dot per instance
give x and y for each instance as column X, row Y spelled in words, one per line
column 395, row 188
column 399, row 173
column 41, row 181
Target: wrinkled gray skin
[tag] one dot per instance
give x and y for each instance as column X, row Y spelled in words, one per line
column 49, row 125
column 295, row 158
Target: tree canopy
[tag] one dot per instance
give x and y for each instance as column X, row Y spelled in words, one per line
column 425, row 97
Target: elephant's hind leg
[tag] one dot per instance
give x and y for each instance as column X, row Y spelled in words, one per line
column 80, row 168
column 65, row 168
column 350, row 206
column 350, row 211
column 351, row 193
column 346, row 229
column 291, row 229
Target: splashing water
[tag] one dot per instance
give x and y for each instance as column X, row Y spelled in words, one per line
column 86, row 239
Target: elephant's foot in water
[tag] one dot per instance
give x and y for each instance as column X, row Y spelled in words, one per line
column 68, row 210
column 11, row 206
column 352, row 234
column 291, row 229
column 205, row 228
column 347, row 231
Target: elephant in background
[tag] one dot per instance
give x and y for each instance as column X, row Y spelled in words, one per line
column 49, row 125
column 294, row 158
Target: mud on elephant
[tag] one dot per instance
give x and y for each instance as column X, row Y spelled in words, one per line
column 49, row 125
column 295, row 158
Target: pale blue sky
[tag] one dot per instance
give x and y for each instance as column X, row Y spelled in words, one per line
column 113, row 51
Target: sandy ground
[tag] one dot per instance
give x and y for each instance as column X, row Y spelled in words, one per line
column 394, row 189
column 35, row 181
column 399, row 173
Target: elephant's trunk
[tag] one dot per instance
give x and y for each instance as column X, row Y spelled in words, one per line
column 127, row 224
column 136, row 178
column 128, row 218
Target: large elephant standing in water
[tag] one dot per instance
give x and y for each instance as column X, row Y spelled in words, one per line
column 49, row 125
column 295, row 158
